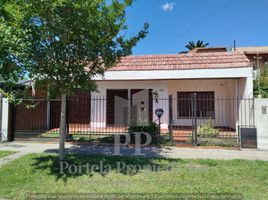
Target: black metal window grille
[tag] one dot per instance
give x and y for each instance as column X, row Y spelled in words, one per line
column 205, row 104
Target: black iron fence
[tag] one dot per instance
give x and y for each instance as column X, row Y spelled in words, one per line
column 188, row 118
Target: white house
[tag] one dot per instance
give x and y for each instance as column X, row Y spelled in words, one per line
column 204, row 85
column 137, row 80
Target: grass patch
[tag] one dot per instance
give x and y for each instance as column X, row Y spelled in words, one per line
column 50, row 135
column 223, row 142
column 40, row 173
column 6, row 153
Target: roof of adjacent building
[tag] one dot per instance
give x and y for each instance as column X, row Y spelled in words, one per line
column 209, row 50
column 20, row 84
column 185, row 61
column 253, row 50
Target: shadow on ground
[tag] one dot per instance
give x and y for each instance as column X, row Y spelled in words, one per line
column 92, row 149
column 85, row 159
column 76, row 165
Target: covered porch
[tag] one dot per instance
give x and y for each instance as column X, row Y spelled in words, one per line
column 134, row 102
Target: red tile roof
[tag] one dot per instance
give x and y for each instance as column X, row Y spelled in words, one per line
column 183, row 61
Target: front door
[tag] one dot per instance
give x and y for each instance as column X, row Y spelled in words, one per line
column 141, row 106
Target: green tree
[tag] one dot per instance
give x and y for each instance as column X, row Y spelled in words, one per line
column 70, row 42
column 11, row 50
column 262, row 81
column 199, row 44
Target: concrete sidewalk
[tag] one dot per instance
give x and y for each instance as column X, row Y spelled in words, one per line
column 167, row 152
column 11, row 157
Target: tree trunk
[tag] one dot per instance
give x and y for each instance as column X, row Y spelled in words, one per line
column 62, row 127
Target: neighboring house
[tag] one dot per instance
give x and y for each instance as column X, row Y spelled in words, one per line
column 255, row 54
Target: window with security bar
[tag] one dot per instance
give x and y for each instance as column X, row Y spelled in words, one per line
column 205, row 104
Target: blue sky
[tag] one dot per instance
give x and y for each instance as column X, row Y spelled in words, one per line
column 175, row 22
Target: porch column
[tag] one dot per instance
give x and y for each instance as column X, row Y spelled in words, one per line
column 129, row 106
column 237, row 104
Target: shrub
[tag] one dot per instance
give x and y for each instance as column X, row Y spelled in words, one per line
column 207, row 130
column 263, row 79
column 151, row 129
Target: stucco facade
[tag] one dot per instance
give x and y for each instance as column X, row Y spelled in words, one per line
column 225, row 83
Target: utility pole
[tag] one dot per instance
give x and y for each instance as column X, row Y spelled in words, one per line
column 234, row 49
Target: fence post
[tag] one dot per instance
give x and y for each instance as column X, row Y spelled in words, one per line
column 11, row 122
column 68, row 136
column 194, row 119
column 170, row 118
column 253, row 112
column 1, row 116
column 48, row 114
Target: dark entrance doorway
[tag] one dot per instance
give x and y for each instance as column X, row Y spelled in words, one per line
column 117, row 107
column 121, row 110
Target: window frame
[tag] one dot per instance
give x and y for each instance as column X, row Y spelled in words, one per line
column 188, row 96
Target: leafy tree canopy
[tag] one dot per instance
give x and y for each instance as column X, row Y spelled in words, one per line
column 263, row 80
column 11, row 48
column 65, row 42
